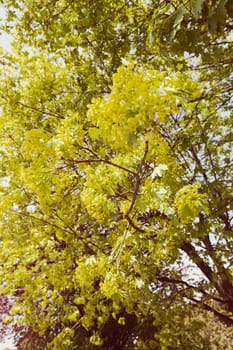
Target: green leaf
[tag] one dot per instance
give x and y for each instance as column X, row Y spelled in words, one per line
column 159, row 170
column 96, row 340
column 221, row 12
column 197, row 6
column 93, row 133
column 217, row 17
column 179, row 16
column 121, row 321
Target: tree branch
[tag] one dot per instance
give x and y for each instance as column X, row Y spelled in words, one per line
column 190, row 286
column 89, row 161
column 222, row 317
column 136, row 189
column 41, row 111
column 193, row 255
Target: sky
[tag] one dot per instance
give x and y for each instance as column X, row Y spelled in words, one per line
column 5, row 39
column 8, row 343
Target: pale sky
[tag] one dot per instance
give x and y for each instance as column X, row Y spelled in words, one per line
column 5, row 39
column 9, row 344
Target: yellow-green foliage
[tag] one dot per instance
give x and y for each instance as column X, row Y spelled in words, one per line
column 116, row 172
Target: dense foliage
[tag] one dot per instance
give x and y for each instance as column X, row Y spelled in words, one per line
column 116, row 172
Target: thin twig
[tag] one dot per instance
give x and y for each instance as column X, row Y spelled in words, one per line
column 41, row 111
column 89, row 161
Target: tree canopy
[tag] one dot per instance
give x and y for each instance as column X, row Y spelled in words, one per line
column 116, row 172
